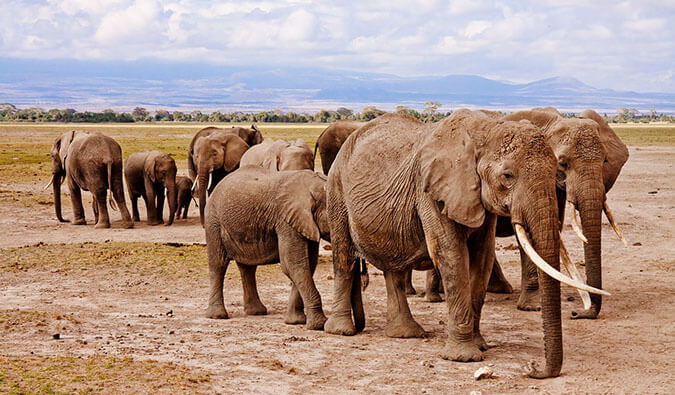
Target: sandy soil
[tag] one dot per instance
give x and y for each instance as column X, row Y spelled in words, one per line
column 628, row 349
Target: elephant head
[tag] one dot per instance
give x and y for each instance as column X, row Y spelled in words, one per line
column 162, row 168
column 59, row 153
column 217, row 152
column 590, row 157
column 303, row 204
column 474, row 163
column 283, row 155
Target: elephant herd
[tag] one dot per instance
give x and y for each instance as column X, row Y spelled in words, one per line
column 399, row 193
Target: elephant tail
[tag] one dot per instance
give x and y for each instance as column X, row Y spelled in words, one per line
column 111, row 201
column 316, row 146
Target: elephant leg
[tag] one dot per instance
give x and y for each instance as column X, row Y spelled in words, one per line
column 400, row 322
column 150, row 203
column 117, row 191
column 433, row 285
column 76, row 200
column 160, row 204
column 252, row 303
column 94, row 207
column 297, row 257
column 409, row 289
column 529, row 285
column 185, row 209
column 134, row 207
column 481, row 258
column 498, row 283
column 296, row 309
column 103, row 217
column 218, row 263
column 447, row 245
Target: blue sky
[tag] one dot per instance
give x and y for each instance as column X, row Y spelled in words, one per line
column 627, row 45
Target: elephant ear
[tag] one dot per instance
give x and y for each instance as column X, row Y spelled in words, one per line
column 234, row 148
column 297, row 200
column 62, row 145
column 448, row 169
column 150, row 168
column 617, row 152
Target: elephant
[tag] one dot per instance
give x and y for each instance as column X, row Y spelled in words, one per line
column 259, row 216
column 590, row 157
column 402, row 193
column 184, row 186
column 331, row 139
column 279, row 155
column 214, row 154
column 90, row 162
column 148, row 174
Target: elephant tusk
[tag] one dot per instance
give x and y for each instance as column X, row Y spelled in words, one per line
column 50, row 183
column 610, row 218
column 575, row 225
column 574, row 272
column 548, row 269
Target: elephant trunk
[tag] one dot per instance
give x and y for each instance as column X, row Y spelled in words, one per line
column 57, row 196
column 541, row 220
column 202, row 180
column 590, row 199
column 172, row 197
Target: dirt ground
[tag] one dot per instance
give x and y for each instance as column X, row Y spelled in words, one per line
column 629, row 349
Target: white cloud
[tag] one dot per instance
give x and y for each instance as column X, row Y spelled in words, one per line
column 625, row 45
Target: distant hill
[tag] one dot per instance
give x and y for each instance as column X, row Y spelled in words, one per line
column 89, row 85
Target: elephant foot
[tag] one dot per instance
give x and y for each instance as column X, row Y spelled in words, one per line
column 410, row 290
column 79, row 221
column 480, row 342
column 102, row 225
column 127, row 224
column 295, row 318
column 433, row 297
column 217, row 312
column 137, row 218
column 589, row 314
column 255, row 309
column 529, row 301
column 404, row 327
column 340, row 325
column 466, row 351
column 316, row 321
column 154, row 223
column 500, row 286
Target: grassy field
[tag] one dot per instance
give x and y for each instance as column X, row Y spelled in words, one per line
column 25, row 147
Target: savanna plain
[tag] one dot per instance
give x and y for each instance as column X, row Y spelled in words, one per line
column 127, row 305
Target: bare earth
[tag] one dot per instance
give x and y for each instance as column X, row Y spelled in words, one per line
column 629, row 349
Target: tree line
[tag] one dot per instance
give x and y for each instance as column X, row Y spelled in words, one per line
column 430, row 113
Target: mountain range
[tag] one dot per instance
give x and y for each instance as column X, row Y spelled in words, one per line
column 92, row 85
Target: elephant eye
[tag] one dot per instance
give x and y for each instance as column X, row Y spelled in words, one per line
column 563, row 164
column 507, row 175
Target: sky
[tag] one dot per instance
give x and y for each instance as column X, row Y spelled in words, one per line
column 622, row 45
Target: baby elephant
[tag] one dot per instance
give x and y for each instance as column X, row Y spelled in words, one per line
column 148, row 173
column 184, row 186
column 257, row 217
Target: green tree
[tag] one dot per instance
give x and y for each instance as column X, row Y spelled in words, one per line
column 139, row 113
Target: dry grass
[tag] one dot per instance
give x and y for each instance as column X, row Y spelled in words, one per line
column 25, row 147
column 97, row 374
column 170, row 261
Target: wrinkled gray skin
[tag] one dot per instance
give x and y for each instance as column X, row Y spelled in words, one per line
column 90, row 162
column 151, row 174
column 184, row 187
column 257, row 216
column 213, row 152
column 279, row 155
column 402, row 193
column 331, row 139
column 590, row 157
